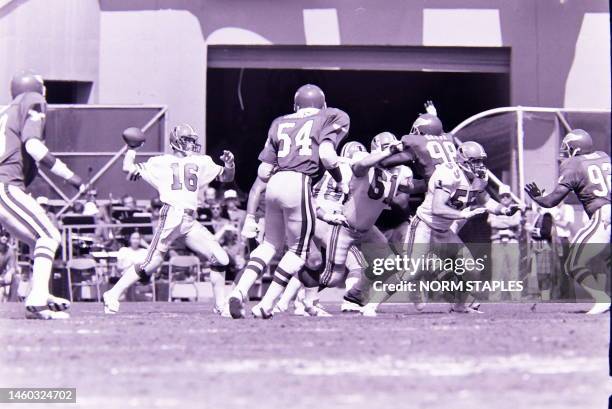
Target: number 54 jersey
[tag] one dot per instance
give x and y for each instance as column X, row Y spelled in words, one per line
column 178, row 179
column 463, row 194
column 294, row 139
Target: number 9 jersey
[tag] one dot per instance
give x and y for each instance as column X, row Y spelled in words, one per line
column 177, row 179
column 589, row 177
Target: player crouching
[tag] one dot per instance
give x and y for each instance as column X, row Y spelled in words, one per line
column 177, row 177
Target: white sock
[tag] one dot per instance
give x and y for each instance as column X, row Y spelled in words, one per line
column 311, row 296
column 128, row 278
column 290, row 292
column 40, row 281
column 217, row 280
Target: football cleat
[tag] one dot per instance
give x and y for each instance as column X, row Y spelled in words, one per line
column 316, row 310
column 350, row 307
column 369, row 310
column 309, row 96
column 461, row 308
column 111, row 304
column 599, row 308
column 259, row 312
column 236, row 306
column 57, row 303
column 44, row 313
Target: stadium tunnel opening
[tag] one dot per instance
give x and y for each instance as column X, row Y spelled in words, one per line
column 241, row 104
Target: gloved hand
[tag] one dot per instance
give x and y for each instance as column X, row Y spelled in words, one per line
column 250, row 229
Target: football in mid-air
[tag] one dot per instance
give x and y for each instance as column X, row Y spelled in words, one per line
column 134, row 137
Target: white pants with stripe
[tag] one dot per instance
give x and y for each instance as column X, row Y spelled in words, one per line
column 175, row 223
column 591, row 243
column 23, row 217
column 290, row 213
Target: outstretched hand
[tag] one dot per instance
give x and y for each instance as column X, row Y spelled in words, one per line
column 430, row 108
column 533, row 190
column 227, row 158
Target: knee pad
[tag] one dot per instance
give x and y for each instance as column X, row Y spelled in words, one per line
column 291, row 263
column 264, row 252
column 46, row 247
column 220, row 258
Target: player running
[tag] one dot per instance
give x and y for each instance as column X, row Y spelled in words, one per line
column 22, row 149
column 297, row 145
column 587, row 173
column 177, row 177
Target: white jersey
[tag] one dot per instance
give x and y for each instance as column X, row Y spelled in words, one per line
column 463, row 193
column 372, row 193
column 178, row 179
column 326, row 194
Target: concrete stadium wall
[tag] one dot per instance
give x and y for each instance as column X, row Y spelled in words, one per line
column 58, row 38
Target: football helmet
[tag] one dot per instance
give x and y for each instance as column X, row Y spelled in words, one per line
column 577, row 142
column 27, row 81
column 427, row 124
column 470, row 157
column 309, row 96
column 349, row 149
column 381, row 141
column 184, row 139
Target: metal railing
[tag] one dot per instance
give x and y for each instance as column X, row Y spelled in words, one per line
column 520, row 134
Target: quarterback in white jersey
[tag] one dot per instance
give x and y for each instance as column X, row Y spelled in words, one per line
column 177, row 177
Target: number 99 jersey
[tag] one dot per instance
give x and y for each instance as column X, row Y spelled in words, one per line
column 463, row 194
column 294, row 139
column 178, row 179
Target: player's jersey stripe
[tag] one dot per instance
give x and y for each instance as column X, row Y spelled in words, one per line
column 153, row 246
column 37, row 222
column 16, row 215
column 307, row 218
column 582, row 240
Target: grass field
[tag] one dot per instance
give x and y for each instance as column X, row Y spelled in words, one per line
column 180, row 355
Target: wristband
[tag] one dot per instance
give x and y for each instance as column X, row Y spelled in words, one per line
column 335, row 173
column 60, row 169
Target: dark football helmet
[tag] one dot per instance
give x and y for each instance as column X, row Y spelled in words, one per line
column 184, row 139
column 349, row 149
column 27, row 81
column 470, row 157
column 427, row 124
column 381, row 141
column 577, row 142
column 309, row 96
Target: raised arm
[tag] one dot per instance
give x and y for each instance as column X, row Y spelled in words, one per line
column 229, row 169
column 361, row 167
column 550, row 200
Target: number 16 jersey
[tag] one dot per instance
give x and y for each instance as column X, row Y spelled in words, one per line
column 178, row 179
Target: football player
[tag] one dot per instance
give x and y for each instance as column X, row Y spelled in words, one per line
column 329, row 202
column 177, row 177
column 586, row 172
column 371, row 190
column 456, row 191
column 22, row 126
column 296, row 147
column 425, row 147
